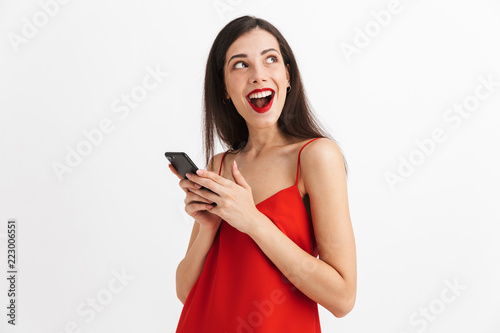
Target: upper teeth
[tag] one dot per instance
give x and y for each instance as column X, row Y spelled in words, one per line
column 261, row 94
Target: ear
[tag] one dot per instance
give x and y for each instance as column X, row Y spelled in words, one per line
column 287, row 72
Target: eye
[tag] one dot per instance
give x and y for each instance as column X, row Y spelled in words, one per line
column 271, row 59
column 239, row 64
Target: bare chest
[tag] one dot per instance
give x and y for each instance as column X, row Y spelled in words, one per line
column 267, row 176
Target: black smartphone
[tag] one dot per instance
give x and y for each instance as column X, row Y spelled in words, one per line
column 183, row 164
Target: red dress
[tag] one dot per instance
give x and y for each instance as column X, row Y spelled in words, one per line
column 240, row 290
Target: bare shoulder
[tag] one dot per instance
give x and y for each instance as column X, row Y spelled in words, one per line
column 322, row 149
column 214, row 163
column 321, row 159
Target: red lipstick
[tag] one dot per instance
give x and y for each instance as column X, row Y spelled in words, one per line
column 265, row 93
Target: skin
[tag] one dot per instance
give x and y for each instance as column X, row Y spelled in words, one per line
column 330, row 280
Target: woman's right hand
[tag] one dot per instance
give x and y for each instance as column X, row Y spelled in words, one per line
column 195, row 204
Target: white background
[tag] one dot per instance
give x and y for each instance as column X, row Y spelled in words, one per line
column 120, row 210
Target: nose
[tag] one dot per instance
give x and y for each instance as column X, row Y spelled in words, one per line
column 258, row 74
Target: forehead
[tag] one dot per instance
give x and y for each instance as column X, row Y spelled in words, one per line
column 253, row 42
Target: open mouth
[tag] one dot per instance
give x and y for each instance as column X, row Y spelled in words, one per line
column 261, row 99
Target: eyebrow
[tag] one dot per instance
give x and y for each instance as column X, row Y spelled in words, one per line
column 242, row 55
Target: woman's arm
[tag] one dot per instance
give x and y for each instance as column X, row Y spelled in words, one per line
column 189, row 269
column 331, row 279
column 202, row 238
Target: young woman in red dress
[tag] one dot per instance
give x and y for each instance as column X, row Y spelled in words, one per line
column 275, row 239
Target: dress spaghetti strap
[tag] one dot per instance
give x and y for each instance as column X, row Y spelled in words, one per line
column 222, row 160
column 298, row 159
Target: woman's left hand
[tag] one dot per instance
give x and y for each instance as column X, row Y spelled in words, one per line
column 235, row 203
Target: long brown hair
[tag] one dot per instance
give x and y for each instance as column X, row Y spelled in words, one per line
column 296, row 119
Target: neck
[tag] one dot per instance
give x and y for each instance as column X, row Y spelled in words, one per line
column 261, row 140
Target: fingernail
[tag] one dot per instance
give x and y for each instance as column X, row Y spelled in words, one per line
column 189, row 175
column 199, row 172
column 197, row 185
column 236, row 165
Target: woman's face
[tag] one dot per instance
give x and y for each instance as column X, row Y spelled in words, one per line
column 256, row 77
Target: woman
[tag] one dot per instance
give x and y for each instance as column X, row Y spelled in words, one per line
column 254, row 267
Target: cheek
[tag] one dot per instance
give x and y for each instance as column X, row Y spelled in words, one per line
column 283, row 81
column 233, row 85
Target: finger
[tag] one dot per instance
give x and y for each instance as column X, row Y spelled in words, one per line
column 206, row 194
column 206, row 174
column 209, row 180
column 174, row 171
column 193, row 197
column 187, row 186
column 238, row 177
column 193, row 208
